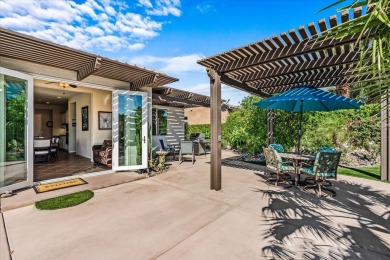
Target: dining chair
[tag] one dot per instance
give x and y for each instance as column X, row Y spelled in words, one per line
column 41, row 149
column 170, row 149
column 54, row 145
column 325, row 166
column 186, row 147
column 275, row 164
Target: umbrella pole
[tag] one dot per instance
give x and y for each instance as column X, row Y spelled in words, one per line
column 300, row 128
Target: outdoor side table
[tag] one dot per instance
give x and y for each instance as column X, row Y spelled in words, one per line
column 297, row 158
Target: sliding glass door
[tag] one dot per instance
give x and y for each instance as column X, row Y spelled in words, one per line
column 129, row 130
column 16, row 113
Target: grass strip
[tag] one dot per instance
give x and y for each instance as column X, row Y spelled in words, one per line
column 64, row 201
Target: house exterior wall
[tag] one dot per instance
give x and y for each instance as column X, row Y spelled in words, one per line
column 176, row 131
column 201, row 115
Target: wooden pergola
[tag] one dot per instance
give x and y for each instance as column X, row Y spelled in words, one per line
column 276, row 64
column 166, row 96
column 27, row 48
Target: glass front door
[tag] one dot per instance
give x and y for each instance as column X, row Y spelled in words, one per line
column 16, row 154
column 129, row 130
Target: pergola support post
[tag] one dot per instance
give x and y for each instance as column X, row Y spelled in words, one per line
column 270, row 127
column 215, row 116
column 385, row 137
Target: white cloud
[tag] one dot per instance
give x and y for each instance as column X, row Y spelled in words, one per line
column 202, row 88
column 175, row 65
column 162, row 7
column 145, row 3
column 136, row 46
column 102, row 24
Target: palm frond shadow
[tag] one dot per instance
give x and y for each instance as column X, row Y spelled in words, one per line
column 301, row 225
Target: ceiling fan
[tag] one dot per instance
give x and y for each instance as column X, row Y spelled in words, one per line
column 63, row 84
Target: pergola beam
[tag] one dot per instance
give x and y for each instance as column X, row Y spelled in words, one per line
column 304, row 47
column 242, row 86
column 179, row 100
column 297, row 80
column 145, row 81
column 89, row 69
column 345, row 58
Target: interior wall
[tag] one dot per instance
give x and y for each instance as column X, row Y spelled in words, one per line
column 41, row 117
column 101, row 101
column 71, row 128
column 83, row 138
column 56, row 111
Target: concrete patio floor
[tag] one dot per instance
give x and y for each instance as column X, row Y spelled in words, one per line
column 176, row 216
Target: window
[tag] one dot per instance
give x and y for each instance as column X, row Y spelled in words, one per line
column 159, row 121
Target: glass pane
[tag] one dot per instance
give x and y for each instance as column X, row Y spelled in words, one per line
column 154, row 122
column 13, row 130
column 162, row 121
column 130, row 129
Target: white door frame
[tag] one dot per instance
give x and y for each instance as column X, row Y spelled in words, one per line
column 30, row 128
column 115, row 130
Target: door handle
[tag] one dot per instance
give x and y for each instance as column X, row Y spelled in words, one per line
column 144, row 139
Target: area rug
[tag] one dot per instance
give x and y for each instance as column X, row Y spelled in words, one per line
column 59, row 185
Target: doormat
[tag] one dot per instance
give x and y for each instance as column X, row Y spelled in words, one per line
column 59, row 185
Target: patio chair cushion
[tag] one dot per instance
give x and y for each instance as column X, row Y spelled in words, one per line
column 325, row 164
column 311, row 171
column 327, row 150
column 282, row 168
column 277, row 147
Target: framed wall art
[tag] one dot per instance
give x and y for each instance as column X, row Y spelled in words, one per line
column 105, row 120
column 84, row 119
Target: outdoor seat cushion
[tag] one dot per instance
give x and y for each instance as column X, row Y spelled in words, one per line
column 277, row 147
column 327, row 150
column 282, row 168
column 310, row 170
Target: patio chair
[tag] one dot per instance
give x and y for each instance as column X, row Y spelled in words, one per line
column 275, row 164
column 186, row 147
column 41, row 150
column 168, row 148
column 325, row 166
column 323, row 149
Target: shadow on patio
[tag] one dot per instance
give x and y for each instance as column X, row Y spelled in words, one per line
column 354, row 224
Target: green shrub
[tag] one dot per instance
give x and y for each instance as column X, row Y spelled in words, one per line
column 246, row 128
column 198, row 129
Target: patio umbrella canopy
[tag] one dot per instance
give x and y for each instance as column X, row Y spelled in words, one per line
column 307, row 98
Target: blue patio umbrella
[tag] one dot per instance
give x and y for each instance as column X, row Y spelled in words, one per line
column 307, row 98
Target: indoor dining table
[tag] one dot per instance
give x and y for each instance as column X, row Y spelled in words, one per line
column 297, row 159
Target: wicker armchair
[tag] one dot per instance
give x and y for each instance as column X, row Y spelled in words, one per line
column 103, row 153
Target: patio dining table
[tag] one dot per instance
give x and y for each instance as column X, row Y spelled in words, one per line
column 296, row 159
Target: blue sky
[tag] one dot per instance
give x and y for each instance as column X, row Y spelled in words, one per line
column 166, row 35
